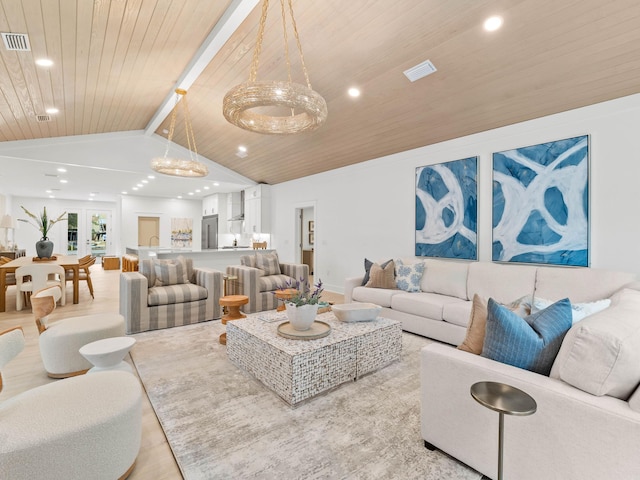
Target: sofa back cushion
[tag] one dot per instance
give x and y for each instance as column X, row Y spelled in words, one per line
column 446, row 277
column 248, row 260
column 579, row 284
column 601, row 353
column 268, row 263
column 147, row 268
column 503, row 283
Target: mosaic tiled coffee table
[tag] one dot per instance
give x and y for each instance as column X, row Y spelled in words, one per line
column 299, row 369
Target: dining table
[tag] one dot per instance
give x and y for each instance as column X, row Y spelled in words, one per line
column 68, row 262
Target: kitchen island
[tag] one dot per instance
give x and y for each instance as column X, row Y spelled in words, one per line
column 217, row 259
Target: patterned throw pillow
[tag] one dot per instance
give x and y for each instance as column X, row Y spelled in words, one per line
column 531, row 343
column 578, row 310
column 380, row 277
column 169, row 272
column 408, row 277
column 268, row 263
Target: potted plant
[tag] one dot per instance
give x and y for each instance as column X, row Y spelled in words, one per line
column 302, row 307
column 44, row 247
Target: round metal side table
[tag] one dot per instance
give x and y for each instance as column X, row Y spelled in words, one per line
column 503, row 399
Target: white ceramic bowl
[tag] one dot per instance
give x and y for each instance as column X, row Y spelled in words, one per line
column 356, row 312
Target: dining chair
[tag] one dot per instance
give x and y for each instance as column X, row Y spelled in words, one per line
column 84, row 272
column 10, row 278
column 42, row 275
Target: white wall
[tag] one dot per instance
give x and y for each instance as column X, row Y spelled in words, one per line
column 165, row 208
column 26, row 235
column 368, row 209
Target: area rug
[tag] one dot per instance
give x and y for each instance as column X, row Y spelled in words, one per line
column 223, row 424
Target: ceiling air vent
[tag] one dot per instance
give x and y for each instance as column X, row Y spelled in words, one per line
column 16, row 42
column 43, row 118
column 242, row 154
column 419, row 71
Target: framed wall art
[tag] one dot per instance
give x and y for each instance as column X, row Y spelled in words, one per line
column 447, row 209
column 541, row 203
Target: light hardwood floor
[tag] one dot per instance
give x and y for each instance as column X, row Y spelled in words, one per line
column 26, row 371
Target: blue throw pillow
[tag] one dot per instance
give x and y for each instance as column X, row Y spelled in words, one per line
column 531, row 343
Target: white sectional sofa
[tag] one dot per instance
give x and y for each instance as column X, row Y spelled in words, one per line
column 442, row 308
column 587, row 424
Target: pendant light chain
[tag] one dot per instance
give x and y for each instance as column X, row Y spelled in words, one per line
column 253, row 74
column 295, row 32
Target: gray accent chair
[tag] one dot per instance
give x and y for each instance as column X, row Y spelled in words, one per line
column 147, row 307
column 259, row 287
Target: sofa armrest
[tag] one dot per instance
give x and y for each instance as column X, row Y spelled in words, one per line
column 349, row 284
column 299, row 272
column 134, row 308
column 213, row 281
column 578, row 434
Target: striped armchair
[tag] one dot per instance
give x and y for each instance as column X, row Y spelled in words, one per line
column 148, row 307
column 259, row 287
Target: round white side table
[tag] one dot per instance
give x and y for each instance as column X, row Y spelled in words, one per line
column 108, row 354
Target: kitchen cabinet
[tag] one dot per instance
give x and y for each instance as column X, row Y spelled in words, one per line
column 210, row 205
column 257, row 205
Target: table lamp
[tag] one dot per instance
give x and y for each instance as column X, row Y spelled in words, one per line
column 7, row 223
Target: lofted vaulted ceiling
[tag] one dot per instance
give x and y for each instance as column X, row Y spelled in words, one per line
column 117, row 63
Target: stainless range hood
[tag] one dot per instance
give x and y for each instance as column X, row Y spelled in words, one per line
column 237, row 208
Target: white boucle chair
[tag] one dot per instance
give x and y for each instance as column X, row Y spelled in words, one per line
column 61, row 341
column 86, row 427
column 41, row 276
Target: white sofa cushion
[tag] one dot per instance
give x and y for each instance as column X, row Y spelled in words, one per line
column 503, row 283
column 379, row 296
column 445, row 277
column 423, row 304
column 458, row 313
column 601, row 353
column 579, row 284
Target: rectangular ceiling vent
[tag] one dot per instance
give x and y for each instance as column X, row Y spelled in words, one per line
column 420, row 71
column 43, row 118
column 51, row 175
column 16, row 42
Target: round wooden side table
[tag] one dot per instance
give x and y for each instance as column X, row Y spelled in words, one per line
column 233, row 304
column 503, row 399
column 284, row 295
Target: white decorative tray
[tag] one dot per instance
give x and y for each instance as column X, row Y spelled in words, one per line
column 356, row 312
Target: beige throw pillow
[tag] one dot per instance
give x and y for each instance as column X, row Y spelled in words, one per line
column 380, row 277
column 474, row 339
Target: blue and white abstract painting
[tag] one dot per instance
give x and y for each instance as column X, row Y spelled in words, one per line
column 541, row 203
column 447, row 209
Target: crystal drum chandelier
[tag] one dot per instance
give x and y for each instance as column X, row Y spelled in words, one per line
column 177, row 166
column 308, row 110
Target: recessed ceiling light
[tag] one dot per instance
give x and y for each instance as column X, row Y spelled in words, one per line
column 62, row 169
column 63, row 181
column 134, row 188
column 179, row 196
column 52, row 196
column 190, row 193
column 242, row 148
column 354, row 92
column 47, row 191
column 197, row 191
column 151, row 177
column 145, row 181
column 90, row 199
column 206, row 187
column 123, row 193
column 216, row 184
column 492, row 24
column 44, row 62
column 92, row 194
column 51, row 111
column 139, row 185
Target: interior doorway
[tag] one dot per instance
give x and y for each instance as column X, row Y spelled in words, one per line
column 306, row 237
column 148, row 231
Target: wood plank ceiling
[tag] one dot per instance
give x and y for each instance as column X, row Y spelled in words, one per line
column 116, row 61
